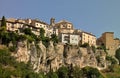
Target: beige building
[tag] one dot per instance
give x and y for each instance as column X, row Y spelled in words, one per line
column 88, row 38
column 49, row 30
column 14, row 24
column 111, row 44
column 37, row 24
column 17, row 25
column 64, row 27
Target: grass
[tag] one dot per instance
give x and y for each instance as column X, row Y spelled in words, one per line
column 115, row 73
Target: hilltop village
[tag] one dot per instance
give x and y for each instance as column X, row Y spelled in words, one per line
column 65, row 32
column 31, row 48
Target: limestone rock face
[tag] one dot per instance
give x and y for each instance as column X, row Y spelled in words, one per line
column 33, row 56
column 101, row 59
column 41, row 55
column 88, row 58
column 22, row 54
column 53, row 57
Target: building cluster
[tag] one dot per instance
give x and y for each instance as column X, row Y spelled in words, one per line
column 65, row 32
column 63, row 29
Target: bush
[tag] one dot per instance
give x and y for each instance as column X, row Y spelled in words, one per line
column 63, row 72
column 85, row 45
column 111, row 59
column 90, row 72
column 93, row 49
column 52, row 75
column 54, row 38
column 12, row 48
column 117, row 55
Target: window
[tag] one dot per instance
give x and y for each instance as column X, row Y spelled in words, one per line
column 8, row 24
column 37, row 24
column 12, row 26
column 66, row 38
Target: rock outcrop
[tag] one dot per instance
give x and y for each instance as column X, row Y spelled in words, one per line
column 54, row 56
column 22, row 54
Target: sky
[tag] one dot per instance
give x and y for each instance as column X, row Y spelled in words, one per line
column 95, row 16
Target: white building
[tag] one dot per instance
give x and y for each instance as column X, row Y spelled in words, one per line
column 70, row 38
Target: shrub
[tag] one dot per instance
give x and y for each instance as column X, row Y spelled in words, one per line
column 111, row 59
column 85, row 45
column 63, row 72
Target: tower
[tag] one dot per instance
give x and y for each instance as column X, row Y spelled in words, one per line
column 52, row 21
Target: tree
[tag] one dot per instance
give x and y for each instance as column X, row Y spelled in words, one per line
column 111, row 59
column 3, row 21
column 85, row 45
column 63, row 72
column 52, row 75
column 27, row 31
column 117, row 55
column 42, row 32
column 54, row 38
column 89, row 72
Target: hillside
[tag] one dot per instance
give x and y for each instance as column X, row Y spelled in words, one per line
column 10, row 68
column 29, row 56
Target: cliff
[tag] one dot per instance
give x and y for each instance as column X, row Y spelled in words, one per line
column 53, row 57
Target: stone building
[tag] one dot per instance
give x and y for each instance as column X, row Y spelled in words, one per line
column 64, row 27
column 16, row 25
column 107, row 39
column 37, row 24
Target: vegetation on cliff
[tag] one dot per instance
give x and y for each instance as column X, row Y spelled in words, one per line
column 9, row 68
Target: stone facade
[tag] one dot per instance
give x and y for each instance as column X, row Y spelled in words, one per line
column 17, row 25
column 64, row 27
column 111, row 44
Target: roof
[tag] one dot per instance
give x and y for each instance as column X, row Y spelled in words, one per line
column 39, row 21
column 89, row 33
column 63, row 21
column 108, row 32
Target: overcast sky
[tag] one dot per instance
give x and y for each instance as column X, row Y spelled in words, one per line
column 96, row 16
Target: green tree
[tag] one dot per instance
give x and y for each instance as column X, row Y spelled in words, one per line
column 63, row 72
column 54, row 38
column 27, row 31
column 111, row 59
column 3, row 21
column 117, row 55
column 5, row 38
column 52, row 75
column 85, row 45
column 89, row 72
column 42, row 32
column 93, row 49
